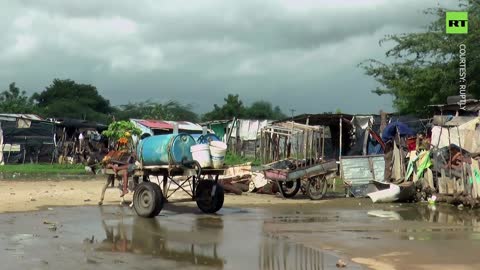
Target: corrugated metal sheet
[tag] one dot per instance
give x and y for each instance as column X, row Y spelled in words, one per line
column 158, row 124
column 19, row 115
column 363, row 169
column 360, row 170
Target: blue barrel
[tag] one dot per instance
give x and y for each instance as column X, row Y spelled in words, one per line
column 165, row 149
column 207, row 138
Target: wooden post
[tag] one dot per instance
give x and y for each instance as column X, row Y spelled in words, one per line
column 341, row 137
column 464, row 176
column 323, row 143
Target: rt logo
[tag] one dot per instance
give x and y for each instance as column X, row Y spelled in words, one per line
column 457, row 22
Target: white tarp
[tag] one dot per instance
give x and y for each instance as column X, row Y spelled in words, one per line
column 466, row 135
column 247, row 130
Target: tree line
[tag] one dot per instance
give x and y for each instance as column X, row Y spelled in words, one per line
column 69, row 99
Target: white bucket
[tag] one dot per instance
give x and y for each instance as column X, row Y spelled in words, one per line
column 201, row 153
column 218, row 150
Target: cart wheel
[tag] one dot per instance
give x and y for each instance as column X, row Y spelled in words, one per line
column 290, row 188
column 316, row 187
column 205, row 201
column 148, row 199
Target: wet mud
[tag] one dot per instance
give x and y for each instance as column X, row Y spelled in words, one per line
column 363, row 235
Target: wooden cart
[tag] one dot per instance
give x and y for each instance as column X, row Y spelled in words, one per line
column 149, row 197
column 312, row 177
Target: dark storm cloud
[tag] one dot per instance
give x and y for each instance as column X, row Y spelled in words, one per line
column 299, row 54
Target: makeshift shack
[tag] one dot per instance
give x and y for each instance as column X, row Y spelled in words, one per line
column 26, row 138
column 339, row 127
column 243, row 136
column 456, row 106
column 76, row 139
column 463, row 131
column 219, row 127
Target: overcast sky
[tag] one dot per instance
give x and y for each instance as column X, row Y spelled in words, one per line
column 299, row 54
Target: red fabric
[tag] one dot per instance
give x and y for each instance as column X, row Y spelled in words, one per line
column 412, row 144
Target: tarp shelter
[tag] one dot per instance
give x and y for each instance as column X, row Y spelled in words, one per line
column 393, row 128
column 461, row 131
column 470, row 108
column 366, row 140
column 244, row 136
column 27, row 138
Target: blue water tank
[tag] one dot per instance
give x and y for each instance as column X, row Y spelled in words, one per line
column 207, row 138
column 165, row 149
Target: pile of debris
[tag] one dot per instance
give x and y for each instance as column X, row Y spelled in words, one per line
column 442, row 164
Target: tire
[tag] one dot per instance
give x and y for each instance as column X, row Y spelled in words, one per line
column 205, row 201
column 290, row 189
column 148, row 200
column 316, row 188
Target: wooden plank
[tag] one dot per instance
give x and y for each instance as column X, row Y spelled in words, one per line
column 442, row 184
column 450, row 185
column 429, row 178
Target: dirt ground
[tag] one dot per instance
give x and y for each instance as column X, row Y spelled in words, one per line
column 366, row 235
column 28, row 195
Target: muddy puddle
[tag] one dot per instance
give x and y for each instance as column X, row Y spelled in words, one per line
column 181, row 238
column 384, row 236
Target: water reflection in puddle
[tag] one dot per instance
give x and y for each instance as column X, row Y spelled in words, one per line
column 216, row 242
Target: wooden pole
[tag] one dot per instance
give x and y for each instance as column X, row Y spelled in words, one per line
column 341, row 137
column 323, row 143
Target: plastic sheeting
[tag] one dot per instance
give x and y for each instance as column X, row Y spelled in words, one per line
column 391, row 130
column 247, row 130
column 466, row 135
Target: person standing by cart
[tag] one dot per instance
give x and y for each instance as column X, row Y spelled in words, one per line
column 122, row 159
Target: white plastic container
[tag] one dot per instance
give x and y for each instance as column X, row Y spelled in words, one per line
column 201, row 153
column 386, row 195
column 218, row 150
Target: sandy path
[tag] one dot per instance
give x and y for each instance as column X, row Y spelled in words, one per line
column 17, row 196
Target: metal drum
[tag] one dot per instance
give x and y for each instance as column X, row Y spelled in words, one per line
column 167, row 149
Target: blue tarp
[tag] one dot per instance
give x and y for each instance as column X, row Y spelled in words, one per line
column 391, row 130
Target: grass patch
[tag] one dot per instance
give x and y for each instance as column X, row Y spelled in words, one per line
column 44, row 168
column 233, row 159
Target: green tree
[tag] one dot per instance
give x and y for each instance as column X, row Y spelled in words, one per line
column 171, row 110
column 15, row 101
column 233, row 107
column 263, row 110
column 66, row 98
column 425, row 66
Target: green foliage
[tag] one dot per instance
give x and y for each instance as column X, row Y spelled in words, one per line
column 233, row 159
column 171, row 111
column 121, row 129
column 66, row 98
column 44, row 168
column 263, row 110
column 233, row 107
column 425, row 66
column 15, row 101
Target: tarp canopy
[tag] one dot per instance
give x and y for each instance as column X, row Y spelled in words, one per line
column 78, row 124
column 390, row 131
